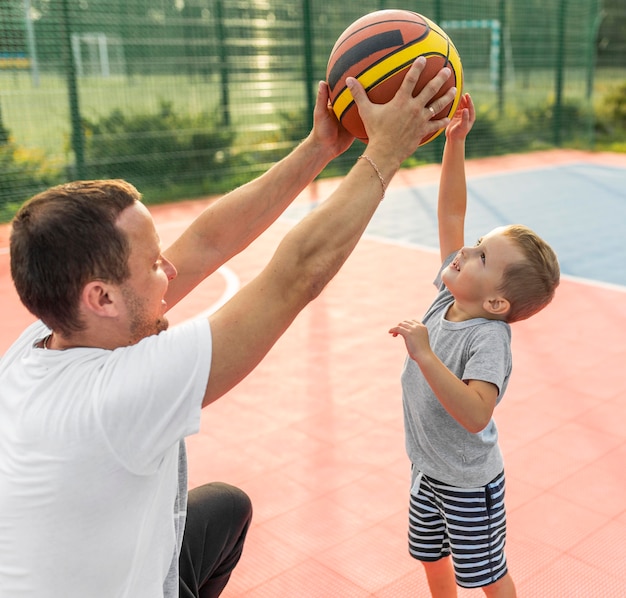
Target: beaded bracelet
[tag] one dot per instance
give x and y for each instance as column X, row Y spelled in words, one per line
column 380, row 176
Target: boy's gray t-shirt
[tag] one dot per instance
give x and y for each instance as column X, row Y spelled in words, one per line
column 437, row 445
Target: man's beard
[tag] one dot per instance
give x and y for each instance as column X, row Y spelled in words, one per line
column 141, row 326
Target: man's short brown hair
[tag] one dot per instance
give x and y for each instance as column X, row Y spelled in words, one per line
column 65, row 237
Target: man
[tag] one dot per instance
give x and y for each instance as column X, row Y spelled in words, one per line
column 97, row 397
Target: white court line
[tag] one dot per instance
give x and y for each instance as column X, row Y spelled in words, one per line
column 579, row 279
column 232, row 286
column 233, row 283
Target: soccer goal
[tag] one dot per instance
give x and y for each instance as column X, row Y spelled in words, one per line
column 98, row 54
column 493, row 29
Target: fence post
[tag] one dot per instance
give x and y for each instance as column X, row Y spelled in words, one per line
column 559, row 73
column 438, row 12
column 78, row 141
column 307, row 25
column 221, row 41
column 32, row 48
column 595, row 19
column 4, row 133
column 501, row 58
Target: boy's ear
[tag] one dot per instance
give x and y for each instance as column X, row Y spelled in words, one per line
column 99, row 298
column 498, row 306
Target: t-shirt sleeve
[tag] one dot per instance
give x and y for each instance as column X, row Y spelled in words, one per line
column 489, row 356
column 149, row 395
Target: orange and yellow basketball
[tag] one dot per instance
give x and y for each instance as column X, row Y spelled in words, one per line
column 377, row 50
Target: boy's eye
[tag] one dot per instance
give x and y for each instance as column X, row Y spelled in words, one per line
column 482, row 257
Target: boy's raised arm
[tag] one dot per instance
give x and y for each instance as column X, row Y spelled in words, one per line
column 452, row 200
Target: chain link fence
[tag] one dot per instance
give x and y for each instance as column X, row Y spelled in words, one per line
column 191, row 97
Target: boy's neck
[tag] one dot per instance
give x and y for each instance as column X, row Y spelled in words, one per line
column 458, row 313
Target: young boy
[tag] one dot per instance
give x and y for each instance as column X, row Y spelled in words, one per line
column 456, row 372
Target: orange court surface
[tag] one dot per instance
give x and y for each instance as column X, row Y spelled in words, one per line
column 315, row 434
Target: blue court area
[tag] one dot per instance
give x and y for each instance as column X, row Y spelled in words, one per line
column 579, row 208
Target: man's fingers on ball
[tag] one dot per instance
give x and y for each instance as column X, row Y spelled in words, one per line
column 437, row 82
column 437, row 105
column 413, row 74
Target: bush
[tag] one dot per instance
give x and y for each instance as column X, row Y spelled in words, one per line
column 615, row 106
column 23, row 173
column 540, row 125
column 611, row 122
column 161, row 150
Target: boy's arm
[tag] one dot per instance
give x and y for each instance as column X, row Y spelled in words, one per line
column 231, row 223
column 471, row 404
column 452, row 200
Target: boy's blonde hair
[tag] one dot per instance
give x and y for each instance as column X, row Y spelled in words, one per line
column 529, row 285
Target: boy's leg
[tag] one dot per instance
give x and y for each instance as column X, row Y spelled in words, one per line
column 475, row 539
column 440, row 576
column 503, row 588
column 218, row 517
column 478, row 535
column 428, row 538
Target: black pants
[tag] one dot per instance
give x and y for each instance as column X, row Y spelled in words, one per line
column 218, row 517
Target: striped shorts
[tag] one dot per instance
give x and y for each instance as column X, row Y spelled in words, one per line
column 467, row 523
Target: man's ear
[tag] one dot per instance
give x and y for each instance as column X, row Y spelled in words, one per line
column 497, row 306
column 101, row 299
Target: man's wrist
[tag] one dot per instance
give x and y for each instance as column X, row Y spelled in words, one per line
column 316, row 152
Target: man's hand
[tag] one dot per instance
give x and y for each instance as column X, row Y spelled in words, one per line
column 396, row 128
column 327, row 129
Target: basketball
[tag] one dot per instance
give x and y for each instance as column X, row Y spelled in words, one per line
column 377, row 50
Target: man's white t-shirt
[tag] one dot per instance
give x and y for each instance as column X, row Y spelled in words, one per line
column 90, row 441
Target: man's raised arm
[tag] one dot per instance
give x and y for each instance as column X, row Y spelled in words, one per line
column 231, row 223
column 249, row 324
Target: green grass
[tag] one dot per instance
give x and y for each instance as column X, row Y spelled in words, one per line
column 39, row 117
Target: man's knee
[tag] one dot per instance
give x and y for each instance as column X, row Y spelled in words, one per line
column 218, row 517
column 218, row 501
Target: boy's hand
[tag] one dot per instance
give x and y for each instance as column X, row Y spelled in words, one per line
column 463, row 119
column 415, row 336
